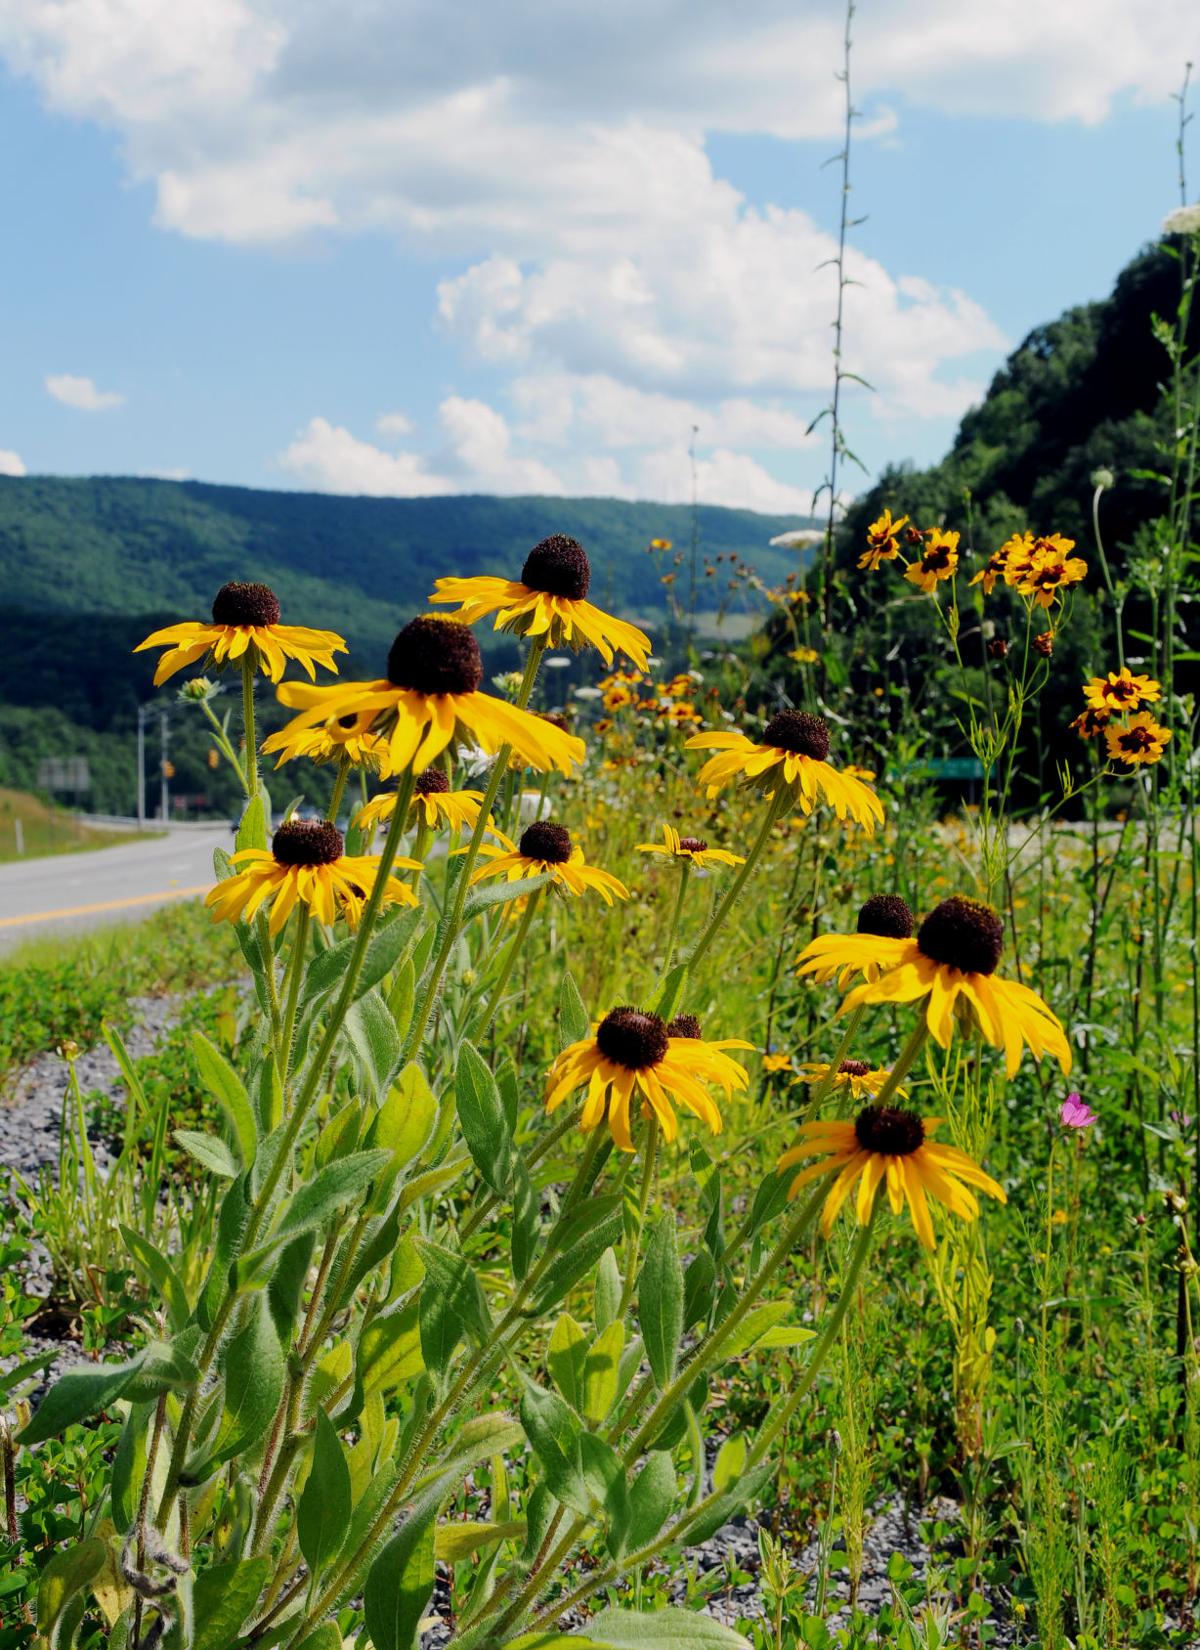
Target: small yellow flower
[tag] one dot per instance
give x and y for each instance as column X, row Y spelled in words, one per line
column 938, row 560
column 1120, row 691
column 245, row 622
column 433, row 800
column 1049, row 570
column 1141, row 740
column 306, row 864
column 694, row 849
column 804, row 655
column 882, row 540
column 853, row 1077
column 546, row 847
column 348, row 736
column 1090, row 723
column 994, row 568
column 777, row 1062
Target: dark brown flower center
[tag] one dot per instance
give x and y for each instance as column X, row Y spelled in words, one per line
column 854, row 1068
column 631, row 1038
column 887, row 915
column 934, row 560
column 307, row 842
column 433, row 782
column 558, row 566
column 693, row 844
column 435, row 656
column 685, row 1025
column 1121, row 690
column 255, row 604
column 963, row 933
column 1135, row 739
column 546, row 841
column 797, row 731
column 888, row 1129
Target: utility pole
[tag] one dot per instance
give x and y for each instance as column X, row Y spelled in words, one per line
column 164, row 769
column 141, row 768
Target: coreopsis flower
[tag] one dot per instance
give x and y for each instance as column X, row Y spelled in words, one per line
column 885, row 915
column 679, row 713
column 1043, row 643
column 1050, row 570
column 692, row 849
column 433, row 803
column 245, row 621
column 776, row 1062
column 1121, row 691
column 662, row 544
column 792, row 755
column 882, row 540
column 633, row 1053
column 305, row 864
column 547, row 600
column 1139, row 741
column 950, row 965
column 347, row 736
column 994, row 568
column 888, row 1143
column 430, row 699
column 853, row 1077
column 1090, row 723
column 1075, row 1113
column 804, row 655
column 937, row 561
column 546, row 847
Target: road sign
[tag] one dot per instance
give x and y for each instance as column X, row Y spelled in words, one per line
column 64, row 773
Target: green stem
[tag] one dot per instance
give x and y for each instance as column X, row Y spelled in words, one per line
column 781, row 1417
column 773, row 811
column 339, row 789
column 514, row 952
column 905, row 1059
column 454, row 923
column 249, row 662
column 685, row 867
column 826, row 1084
column 223, row 743
column 292, row 990
column 635, row 1242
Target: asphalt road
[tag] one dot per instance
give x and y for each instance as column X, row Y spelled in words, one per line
column 69, row 892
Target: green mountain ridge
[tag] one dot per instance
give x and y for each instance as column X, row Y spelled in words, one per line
column 362, row 566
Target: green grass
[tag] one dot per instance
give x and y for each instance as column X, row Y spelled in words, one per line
column 41, row 830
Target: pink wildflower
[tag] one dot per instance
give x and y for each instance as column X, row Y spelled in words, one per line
column 1075, row 1113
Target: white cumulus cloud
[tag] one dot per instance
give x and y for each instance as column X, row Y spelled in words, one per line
column 81, row 393
column 10, row 463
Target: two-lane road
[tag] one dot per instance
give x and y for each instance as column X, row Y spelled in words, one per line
column 106, row 885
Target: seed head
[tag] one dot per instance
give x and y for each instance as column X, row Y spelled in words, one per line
column 890, row 1130
column 963, row 933
column 797, row 731
column 307, row 842
column 888, row 916
column 631, row 1038
column 251, row 604
column 558, row 566
column 435, row 655
column 546, row 841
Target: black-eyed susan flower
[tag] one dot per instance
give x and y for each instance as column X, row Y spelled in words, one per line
column 433, row 803
column 888, row 1143
column 547, row 600
column 245, row 621
column 853, row 1077
column 950, row 965
column 882, row 540
column 1140, row 740
column 330, row 741
column 306, row 864
column 693, row 849
column 1121, row 691
column 430, row 699
column 546, row 847
column 886, row 916
column 938, row 560
column 793, row 755
column 633, row 1053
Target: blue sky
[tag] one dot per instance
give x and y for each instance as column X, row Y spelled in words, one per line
column 385, row 247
